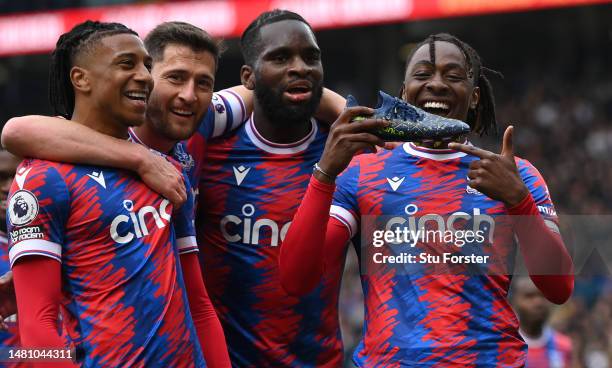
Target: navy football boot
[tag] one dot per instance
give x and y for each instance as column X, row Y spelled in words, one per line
column 409, row 123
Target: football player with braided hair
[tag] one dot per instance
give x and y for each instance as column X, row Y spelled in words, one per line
column 449, row 310
column 96, row 241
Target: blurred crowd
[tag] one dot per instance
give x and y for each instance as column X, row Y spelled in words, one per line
column 565, row 130
column 9, row 6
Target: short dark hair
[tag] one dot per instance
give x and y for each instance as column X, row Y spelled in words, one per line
column 70, row 45
column 250, row 42
column 184, row 34
column 482, row 120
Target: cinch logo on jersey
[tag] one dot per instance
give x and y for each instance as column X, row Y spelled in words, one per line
column 137, row 225
column 251, row 230
column 436, row 228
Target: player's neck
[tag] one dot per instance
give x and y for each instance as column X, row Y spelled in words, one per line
column 279, row 131
column 533, row 330
column 150, row 138
column 89, row 117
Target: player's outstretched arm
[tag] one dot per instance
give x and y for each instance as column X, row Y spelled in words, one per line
column 208, row 327
column 302, row 257
column 331, row 106
column 57, row 139
column 546, row 257
column 547, row 260
column 38, row 289
column 311, row 238
column 247, row 98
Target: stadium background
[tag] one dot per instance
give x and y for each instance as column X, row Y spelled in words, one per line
column 556, row 57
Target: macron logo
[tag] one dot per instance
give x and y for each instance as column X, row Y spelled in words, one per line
column 395, row 182
column 21, row 176
column 98, row 177
column 240, row 173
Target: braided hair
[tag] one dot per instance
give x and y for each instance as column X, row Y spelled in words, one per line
column 70, row 45
column 482, row 119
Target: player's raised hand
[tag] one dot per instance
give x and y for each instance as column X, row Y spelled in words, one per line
column 346, row 138
column 495, row 175
column 8, row 302
column 163, row 177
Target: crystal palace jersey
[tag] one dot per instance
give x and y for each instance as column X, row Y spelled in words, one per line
column 416, row 315
column 249, row 192
column 4, row 258
column 551, row 350
column 225, row 114
column 124, row 303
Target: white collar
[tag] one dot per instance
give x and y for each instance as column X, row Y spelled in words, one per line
column 278, row 148
column 433, row 154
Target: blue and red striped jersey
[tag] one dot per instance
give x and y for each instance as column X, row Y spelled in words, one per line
column 551, row 350
column 225, row 114
column 4, row 258
column 124, row 301
column 420, row 315
column 250, row 189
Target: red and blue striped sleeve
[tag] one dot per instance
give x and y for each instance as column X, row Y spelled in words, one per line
column 344, row 205
column 184, row 223
column 38, row 208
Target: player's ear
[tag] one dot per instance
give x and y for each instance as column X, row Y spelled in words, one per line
column 80, row 79
column 247, row 77
column 402, row 92
column 475, row 98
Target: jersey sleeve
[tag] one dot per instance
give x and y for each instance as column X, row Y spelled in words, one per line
column 539, row 191
column 37, row 211
column 184, row 227
column 4, row 257
column 225, row 113
column 228, row 110
column 344, row 206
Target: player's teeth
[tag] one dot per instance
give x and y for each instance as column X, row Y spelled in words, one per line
column 182, row 112
column 137, row 95
column 435, row 105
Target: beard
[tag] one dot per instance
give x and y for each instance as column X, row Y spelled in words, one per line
column 280, row 112
column 163, row 126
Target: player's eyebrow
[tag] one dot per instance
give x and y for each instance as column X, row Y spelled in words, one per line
column 312, row 49
column 423, row 62
column 185, row 72
column 278, row 50
column 125, row 54
column 133, row 55
column 454, row 65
